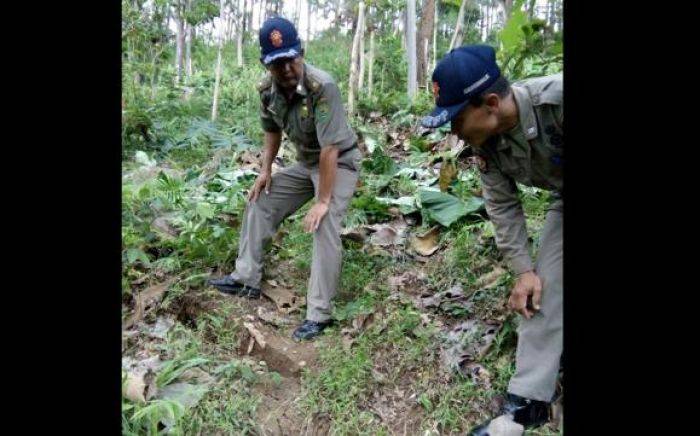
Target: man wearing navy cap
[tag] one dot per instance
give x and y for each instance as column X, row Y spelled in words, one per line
column 516, row 133
column 306, row 104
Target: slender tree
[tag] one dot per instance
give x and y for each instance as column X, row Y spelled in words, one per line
column 411, row 48
column 426, row 31
column 361, row 79
column 217, row 80
column 370, row 63
column 354, row 59
column 308, row 21
column 435, row 28
column 180, row 41
column 458, row 26
column 240, row 32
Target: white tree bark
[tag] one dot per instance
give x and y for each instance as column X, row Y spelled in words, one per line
column 308, row 21
column 188, row 53
column 217, row 80
column 361, row 81
column 435, row 27
column 370, row 62
column 352, row 89
column 239, row 39
column 180, row 45
column 460, row 20
column 411, row 48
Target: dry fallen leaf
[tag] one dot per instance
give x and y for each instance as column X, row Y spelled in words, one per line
column 427, row 243
column 140, row 386
column 272, row 318
column 148, row 297
column 384, row 237
column 162, row 225
column 489, row 280
column 448, row 172
column 285, row 299
column 358, row 234
column 255, row 333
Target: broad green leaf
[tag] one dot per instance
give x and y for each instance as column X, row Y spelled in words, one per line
column 134, row 254
column 512, row 34
column 205, row 210
column 406, row 205
column 445, row 208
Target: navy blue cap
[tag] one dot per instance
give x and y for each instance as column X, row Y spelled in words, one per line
column 463, row 73
column 278, row 39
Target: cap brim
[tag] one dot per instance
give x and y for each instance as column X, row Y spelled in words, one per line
column 442, row 115
column 286, row 52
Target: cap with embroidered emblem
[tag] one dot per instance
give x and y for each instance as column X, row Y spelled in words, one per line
column 462, row 74
column 278, row 39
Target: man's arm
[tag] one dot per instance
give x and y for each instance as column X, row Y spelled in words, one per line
column 327, row 167
column 506, row 213
column 331, row 129
column 272, row 146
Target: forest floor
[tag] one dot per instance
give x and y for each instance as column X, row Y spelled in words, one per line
column 422, row 341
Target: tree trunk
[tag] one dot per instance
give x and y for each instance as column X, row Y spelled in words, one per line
column 180, row 46
column 458, row 26
column 435, row 28
column 217, row 80
column 370, row 63
column 482, row 17
column 250, row 16
column 308, row 21
column 488, row 20
column 531, row 9
column 507, row 7
column 241, row 32
column 426, row 31
column 188, row 52
column 352, row 89
column 411, row 48
column 361, row 80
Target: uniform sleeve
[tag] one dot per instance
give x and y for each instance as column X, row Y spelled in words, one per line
column 505, row 211
column 266, row 120
column 331, row 123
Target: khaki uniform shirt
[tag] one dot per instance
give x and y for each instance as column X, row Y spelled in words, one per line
column 314, row 118
column 532, row 154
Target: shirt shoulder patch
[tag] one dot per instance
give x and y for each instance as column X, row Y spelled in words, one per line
column 265, row 83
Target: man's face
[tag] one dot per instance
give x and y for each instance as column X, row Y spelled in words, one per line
column 287, row 71
column 475, row 125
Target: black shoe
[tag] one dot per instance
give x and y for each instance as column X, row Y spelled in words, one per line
column 528, row 413
column 310, row 329
column 228, row 285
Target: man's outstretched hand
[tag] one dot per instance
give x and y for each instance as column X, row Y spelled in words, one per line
column 262, row 182
column 527, row 284
column 314, row 217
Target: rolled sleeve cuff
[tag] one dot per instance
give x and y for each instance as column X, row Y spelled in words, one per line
column 521, row 264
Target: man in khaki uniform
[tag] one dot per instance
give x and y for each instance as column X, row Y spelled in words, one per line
column 306, row 104
column 517, row 136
